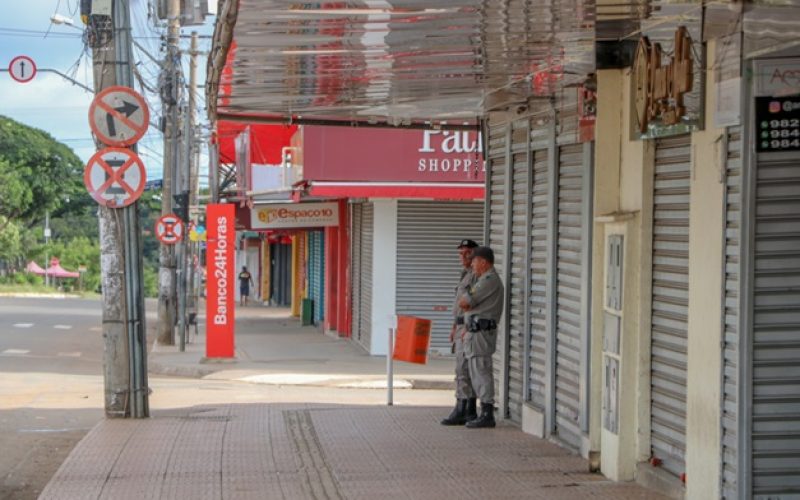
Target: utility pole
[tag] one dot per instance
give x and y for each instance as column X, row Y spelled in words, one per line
column 194, row 180
column 125, row 373
column 170, row 96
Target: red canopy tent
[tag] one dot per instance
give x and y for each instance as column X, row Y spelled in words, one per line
column 57, row 271
column 34, row 268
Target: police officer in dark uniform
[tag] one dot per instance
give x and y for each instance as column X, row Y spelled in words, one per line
column 466, row 402
column 483, row 306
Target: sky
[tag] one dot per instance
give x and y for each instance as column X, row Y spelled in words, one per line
column 60, row 108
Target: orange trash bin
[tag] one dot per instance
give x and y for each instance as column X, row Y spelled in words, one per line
column 412, row 339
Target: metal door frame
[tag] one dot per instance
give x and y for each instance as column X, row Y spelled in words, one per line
column 508, row 190
column 526, row 346
column 587, row 224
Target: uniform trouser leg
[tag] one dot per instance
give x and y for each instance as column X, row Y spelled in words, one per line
column 463, row 381
column 480, row 371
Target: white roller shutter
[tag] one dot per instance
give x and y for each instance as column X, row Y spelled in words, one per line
column 670, row 302
column 537, row 350
column 367, row 231
column 570, row 321
column 517, row 282
column 775, row 417
column 427, row 260
column 497, row 151
column 733, row 207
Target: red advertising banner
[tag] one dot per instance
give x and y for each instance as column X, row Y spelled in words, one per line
column 389, row 155
column 220, row 278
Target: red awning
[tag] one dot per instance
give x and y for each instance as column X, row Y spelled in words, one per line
column 266, row 141
column 433, row 191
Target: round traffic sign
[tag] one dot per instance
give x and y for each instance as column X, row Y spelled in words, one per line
column 22, row 69
column 169, row 229
column 115, row 177
column 119, row 116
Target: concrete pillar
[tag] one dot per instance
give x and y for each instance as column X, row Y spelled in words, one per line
column 384, row 273
column 706, row 261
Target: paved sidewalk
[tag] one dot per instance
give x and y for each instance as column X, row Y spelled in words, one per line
column 290, row 451
column 273, row 348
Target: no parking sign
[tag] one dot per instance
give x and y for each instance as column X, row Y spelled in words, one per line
column 169, row 229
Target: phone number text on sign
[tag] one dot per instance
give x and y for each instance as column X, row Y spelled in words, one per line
column 777, row 124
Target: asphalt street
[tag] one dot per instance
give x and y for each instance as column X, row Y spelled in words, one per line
column 51, row 388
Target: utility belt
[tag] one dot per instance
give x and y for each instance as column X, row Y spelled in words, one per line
column 460, row 320
column 481, row 325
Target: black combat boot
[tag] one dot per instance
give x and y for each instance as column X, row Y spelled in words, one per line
column 458, row 415
column 486, row 420
column 472, row 411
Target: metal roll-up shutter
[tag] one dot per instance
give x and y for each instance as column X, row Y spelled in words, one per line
column 367, row 231
column 569, row 280
column 516, row 286
column 316, row 278
column 670, row 302
column 775, row 418
column 427, row 261
column 733, row 207
column 497, row 217
column 355, row 266
column 538, row 298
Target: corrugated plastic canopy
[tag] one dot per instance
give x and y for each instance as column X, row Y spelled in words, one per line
column 398, row 61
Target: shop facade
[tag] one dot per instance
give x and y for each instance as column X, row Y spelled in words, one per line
column 411, row 197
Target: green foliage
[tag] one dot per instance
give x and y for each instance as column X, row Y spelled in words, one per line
column 37, row 173
column 10, row 239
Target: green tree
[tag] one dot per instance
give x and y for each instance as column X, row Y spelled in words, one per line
column 37, row 174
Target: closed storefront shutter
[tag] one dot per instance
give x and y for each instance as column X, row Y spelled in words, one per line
column 775, row 419
column 733, row 207
column 316, row 247
column 427, row 260
column 365, row 323
column 497, row 218
column 570, row 324
column 355, row 266
column 537, row 350
column 670, row 302
column 518, row 277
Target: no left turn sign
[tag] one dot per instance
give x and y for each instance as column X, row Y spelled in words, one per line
column 115, row 177
column 22, row 69
column 119, row 116
column 169, row 229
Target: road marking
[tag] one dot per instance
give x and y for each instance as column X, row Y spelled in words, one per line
column 75, row 354
column 23, row 325
column 95, row 329
column 15, row 351
column 62, row 327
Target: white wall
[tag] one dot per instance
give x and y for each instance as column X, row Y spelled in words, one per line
column 384, row 273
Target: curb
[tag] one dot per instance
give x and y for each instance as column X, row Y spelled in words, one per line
column 200, row 372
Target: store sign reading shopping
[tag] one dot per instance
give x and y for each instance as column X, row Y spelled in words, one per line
column 388, row 155
column 295, row 215
column 778, row 123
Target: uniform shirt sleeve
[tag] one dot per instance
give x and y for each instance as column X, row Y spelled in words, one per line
column 480, row 291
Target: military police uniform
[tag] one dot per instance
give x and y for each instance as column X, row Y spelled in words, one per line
column 464, row 388
column 466, row 402
column 485, row 298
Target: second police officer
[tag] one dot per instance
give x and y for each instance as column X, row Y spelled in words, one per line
column 482, row 303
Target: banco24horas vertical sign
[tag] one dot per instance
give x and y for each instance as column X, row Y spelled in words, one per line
column 220, row 277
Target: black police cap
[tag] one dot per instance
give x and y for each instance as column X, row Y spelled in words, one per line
column 467, row 244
